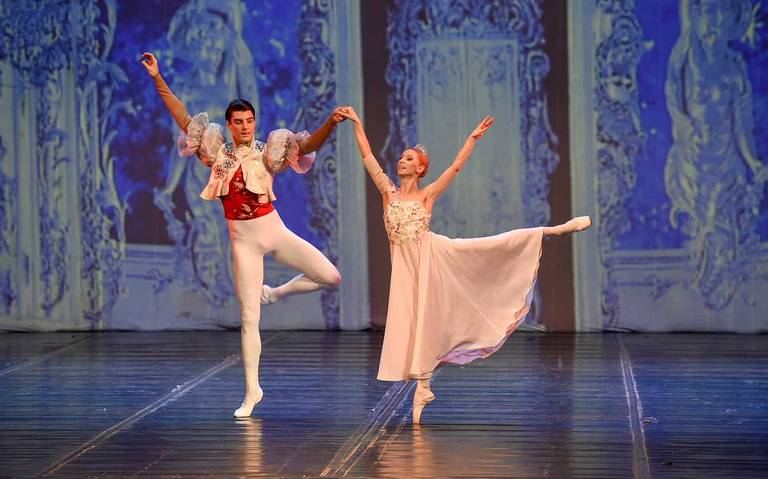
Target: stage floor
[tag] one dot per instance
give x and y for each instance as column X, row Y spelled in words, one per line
column 546, row 405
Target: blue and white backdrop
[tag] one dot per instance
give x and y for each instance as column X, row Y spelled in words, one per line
column 669, row 108
column 102, row 227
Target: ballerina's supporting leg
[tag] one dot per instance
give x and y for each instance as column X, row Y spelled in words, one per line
column 422, row 396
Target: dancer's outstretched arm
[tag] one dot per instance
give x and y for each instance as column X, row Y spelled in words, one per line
column 435, row 189
column 174, row 105
column 314, row 141
column 372, row 166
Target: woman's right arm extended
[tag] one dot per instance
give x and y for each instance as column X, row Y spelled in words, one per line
column 372, row 166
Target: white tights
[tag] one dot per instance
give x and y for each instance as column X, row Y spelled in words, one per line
column 251, row 241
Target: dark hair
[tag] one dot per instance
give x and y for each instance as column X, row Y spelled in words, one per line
column 239, row 105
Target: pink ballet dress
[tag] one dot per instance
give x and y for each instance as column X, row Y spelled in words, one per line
column 451, row 300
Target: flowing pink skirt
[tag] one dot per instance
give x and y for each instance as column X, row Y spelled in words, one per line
column 456, row 300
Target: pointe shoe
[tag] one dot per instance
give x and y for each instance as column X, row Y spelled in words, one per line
column 420, row 402
column 246, row 408
column 268, row 295
column 582, row 223
column 574, row 225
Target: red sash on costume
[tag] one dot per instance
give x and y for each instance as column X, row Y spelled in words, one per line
column 243, row 204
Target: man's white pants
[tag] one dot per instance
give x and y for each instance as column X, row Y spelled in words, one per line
column 251, row 241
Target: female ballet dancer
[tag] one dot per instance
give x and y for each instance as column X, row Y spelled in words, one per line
column 242, row 173
column 450, row 300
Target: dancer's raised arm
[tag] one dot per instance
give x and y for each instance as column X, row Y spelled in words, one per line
column 372, row 166
column 435, row 189
column 318, row 137
column 174, row 105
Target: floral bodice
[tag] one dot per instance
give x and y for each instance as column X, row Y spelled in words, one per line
column 405, row 221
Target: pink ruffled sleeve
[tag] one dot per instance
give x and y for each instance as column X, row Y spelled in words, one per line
column 203, row 139
column 282, row 150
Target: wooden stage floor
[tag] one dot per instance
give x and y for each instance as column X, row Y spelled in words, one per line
column 546, row 405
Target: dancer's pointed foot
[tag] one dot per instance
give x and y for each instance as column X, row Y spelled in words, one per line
column 249, row 403
column 574, row 225
column 579, row 223
column 421, row 398
column 268, row 295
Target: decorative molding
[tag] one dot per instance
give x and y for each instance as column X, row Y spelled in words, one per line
column 619, row 133
column 59, row 50
column 414, row 21
column 317, row 97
